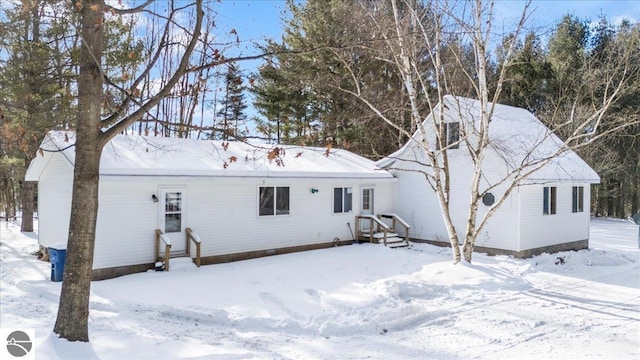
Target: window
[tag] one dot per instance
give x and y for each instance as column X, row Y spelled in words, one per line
column 342, row 200
column 549, row 200
column 367, row 201
column 451, row 134
column 172, row 212
column 274, row 200
column 577, row 199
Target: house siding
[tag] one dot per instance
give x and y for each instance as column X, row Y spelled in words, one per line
column 518, row 227
column 54, row 202
column 501, row 230
column 224, row 214
column 538, row 230
column 418, row 204
column 127, row 219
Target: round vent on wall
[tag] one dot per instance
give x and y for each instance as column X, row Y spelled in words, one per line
column 488, row 199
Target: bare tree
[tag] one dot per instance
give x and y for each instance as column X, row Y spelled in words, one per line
column 470, row 23
column 93, row 132
column 183, row 31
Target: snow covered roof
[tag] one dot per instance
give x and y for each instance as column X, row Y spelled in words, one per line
column 146, row 155
column 517, row 137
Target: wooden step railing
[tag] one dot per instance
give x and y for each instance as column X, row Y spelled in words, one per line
column 395, row 221
column 167, row 248
column 375, row 226
column 196, row 240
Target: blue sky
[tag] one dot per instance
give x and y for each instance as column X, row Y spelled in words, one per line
column 255, row 19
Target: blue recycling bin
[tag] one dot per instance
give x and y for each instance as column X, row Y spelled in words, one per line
column 57, row 258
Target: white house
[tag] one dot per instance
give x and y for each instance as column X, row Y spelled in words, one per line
column 239, row 202
column 547, row 212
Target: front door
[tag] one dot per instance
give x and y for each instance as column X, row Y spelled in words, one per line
column 366, row 201
column 172, row 220
column 366, row 206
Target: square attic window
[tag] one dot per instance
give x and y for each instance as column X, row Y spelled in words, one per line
column 451, row 135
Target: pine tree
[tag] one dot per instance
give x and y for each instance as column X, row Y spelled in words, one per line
column 567, row 48
column 528, row 76
column 35, row 95
column 287, row 112
column 335, row 46
column 617, row 194
column 232, row 117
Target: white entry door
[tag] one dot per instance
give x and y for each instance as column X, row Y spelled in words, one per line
column 366, row 206
column 366, row 201
column 172, row 219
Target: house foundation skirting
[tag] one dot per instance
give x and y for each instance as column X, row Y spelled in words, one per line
column 523, row 254
column 219, row 259
column 109, row 273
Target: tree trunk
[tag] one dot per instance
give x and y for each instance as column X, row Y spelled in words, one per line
column 621, row 199
column 28, row 192
column 4, row 197
column 33, row 111
column 13, row 213
column 634, row 193
column 443, row 199
column 73, row 313
column 472, row 229
column 453, row 237
column 470, row 236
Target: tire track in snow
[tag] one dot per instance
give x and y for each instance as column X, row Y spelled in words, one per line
column 559, row 300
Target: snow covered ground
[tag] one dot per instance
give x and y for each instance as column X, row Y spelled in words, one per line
column 351, row 302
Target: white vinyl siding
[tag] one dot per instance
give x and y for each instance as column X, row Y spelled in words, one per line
column 235, row 229
column 538, row 230
column 127, row 220
column 222, row 209
column 418, row 204
column 54, row 202
column 223, row 214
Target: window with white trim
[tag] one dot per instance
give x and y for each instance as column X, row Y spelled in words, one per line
column 273, row 200
column 342, row 200
column 577, row 199
column 451, row 135
column 549, row 200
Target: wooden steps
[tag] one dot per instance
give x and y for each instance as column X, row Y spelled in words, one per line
column 180, row 254
column 375, row 230
column 393, row 240
column 397, row 242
